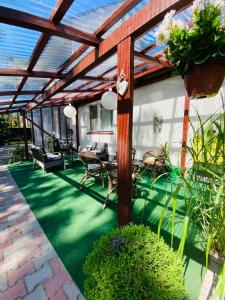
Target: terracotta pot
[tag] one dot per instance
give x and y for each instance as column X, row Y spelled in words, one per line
column 205, row 80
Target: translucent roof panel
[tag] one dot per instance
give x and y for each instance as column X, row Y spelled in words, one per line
column 41, row 8
column 104, row 67
column 89, row 15
column 76, row 84
column 5, row 98
column 126, row 17
column 57, row 51
column 34, row 83
column 25, row 97
column 9, row 83
column 16, row 46
column 78, row 59
column 19, row 104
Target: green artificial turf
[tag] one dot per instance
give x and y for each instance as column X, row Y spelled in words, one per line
column 74, row 219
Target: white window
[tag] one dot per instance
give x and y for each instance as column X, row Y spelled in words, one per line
column 100, row 118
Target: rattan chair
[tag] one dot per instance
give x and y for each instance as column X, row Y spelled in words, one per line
column 93, row 167
column 113, row 180
column 155, row 160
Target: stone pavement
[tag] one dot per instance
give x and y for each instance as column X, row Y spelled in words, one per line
column 29, row 267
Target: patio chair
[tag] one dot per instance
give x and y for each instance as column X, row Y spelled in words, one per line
column 113, row 180
column 93, row 167
column 155, row 160
column 46, row 160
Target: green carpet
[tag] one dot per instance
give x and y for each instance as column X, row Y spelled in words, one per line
column 74, row 219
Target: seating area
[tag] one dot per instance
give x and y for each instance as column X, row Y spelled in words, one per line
column 112, row 150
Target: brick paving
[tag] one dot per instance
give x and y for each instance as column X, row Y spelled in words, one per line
column 29, row 267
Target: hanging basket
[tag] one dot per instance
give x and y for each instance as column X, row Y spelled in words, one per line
column 205, row 80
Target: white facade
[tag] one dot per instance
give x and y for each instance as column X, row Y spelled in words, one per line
column 163, row 100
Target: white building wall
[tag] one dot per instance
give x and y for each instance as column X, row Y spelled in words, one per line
column 164, row 99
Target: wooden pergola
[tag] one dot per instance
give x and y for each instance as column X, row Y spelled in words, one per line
column 121, row 42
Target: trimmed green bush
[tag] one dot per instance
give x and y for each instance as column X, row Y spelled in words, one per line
column 132, row 263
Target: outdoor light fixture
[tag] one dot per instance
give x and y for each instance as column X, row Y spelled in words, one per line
column 109, row 100
column 70, row 111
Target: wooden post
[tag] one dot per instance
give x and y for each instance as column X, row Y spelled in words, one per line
column 53, row 123
column 18, row 119
column 32, row 127
column 125, row 52
column 185, row 132
column 77, row 129
column 66, row 128
column 25, row 136
column 42, row 132
column 59, row 119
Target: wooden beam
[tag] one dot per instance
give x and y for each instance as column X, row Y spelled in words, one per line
column 25, row 136
column 77, row 128
column 32, row 127
column 18, row 72
column 96, row 78
column 124, row 132
column 185, row 132
column 11, row 93
column 56, row 17
column 59, row 119
column 36, row 125
column 18, row 18
column 87, row 90
column 104, row 27
column 152, row 59
column 144, row 20
column 42, row 129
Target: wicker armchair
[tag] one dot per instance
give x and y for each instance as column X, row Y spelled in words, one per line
column 113, row 180
column 155, row 160
column 93, row 167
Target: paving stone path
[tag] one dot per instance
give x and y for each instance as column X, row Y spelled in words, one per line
column 29, row 267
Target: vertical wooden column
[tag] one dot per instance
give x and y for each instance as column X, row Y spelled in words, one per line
column 125, row 52
column 53, row 121
column 185, row 131
column 32, row 127
column 59, row 118
column 25, row 136
column 77, row 128
column 18, row 119
column 66, row 128
column 42, row 132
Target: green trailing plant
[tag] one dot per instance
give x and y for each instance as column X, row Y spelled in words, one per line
column 132, row 263
column 18, row 154
column 195, row 43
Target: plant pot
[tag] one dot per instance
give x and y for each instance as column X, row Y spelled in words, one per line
column 205, row 80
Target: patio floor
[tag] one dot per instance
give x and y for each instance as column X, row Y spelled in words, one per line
column 73, row 219
column 30, row 268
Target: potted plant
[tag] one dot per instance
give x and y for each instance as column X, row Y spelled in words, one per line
column 197, row 50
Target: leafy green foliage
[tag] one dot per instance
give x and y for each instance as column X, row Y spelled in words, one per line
column 4, row 129
column 203, row 41
column 132, row 263
column 18, row 154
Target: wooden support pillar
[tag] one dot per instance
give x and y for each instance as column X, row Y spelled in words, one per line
column 18, row 119
column 66, row 128
column 32, row 127
column 42, row 132
column 125, row 52
column 185, row 132
column 53, row 121
column 25, row 136
column 77, row 128
column 59, row 119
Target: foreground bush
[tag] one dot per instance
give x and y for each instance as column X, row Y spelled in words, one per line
column 131, row 264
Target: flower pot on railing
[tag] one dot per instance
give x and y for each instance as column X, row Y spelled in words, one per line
column 205, row 80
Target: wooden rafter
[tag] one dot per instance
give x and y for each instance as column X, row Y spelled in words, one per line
column 18, row 72
column 145, row 19
column 152, row 59
column 29, row 21
column 28, row 92
column 56, row 17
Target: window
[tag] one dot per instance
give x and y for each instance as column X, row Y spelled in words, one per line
column 100, row 118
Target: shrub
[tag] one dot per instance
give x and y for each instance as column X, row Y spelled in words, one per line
column 18, row 154
column 132, row 263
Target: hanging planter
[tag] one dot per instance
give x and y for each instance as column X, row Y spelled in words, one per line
column 197, row 51
column 205, row 80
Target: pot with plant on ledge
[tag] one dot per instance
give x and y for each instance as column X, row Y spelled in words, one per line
column 197, row 51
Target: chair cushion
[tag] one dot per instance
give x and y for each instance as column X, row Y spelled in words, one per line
column 94, row 167
column 150, row 160
column 53, row 157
